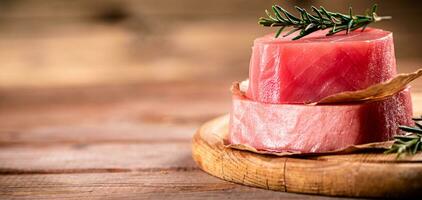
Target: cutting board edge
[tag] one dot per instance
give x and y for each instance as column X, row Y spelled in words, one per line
column 300, row 175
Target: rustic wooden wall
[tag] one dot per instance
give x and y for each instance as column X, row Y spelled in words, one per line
column 61, row 43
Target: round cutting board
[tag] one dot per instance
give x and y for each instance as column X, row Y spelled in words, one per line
column 353, row 175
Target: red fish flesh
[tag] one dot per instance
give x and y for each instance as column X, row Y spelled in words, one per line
column 314, row 67
column 315, row 129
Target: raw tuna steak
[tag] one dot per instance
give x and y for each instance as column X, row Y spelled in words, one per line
column 309, row 69
column 316, row 129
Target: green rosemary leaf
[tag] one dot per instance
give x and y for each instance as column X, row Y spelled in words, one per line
column 270, row 16
column 418, row 125
column 410, row 129
column 279, row 31
column 374, row 8
column 364, row 27
column 417, row 119
column 391, row 150
column 416, row 148
column 325, row 12
column 310, row 27
column 313, row 18
column 291, row 32
column 349, row 26
column 401, row 149
column 338, row 29
column 357, row 27
column 334, row 28
column 308, row 30
column 404, row 140
column 287, row 14
column 409, row 143
column 322, row 19
column 277, row 13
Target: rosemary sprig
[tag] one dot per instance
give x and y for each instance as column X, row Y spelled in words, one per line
column 409, row 143
column 308, row 23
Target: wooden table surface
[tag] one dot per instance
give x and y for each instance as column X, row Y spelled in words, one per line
column 100, row 99
column 131, row 141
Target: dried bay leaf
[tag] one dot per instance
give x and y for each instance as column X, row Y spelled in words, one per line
column 373, row 93
column 376, row 146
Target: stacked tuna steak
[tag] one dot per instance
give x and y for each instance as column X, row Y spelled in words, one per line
column 285, row 75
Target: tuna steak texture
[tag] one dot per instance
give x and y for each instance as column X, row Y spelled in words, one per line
column 309, row 69
column 316, row 129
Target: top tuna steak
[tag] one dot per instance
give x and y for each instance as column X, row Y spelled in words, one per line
column 309, row 69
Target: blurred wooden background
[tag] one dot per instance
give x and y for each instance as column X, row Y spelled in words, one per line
column 55, row 43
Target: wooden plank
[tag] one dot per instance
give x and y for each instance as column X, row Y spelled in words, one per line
column 120, row 121
column 327, row 176
column 86, row 158
column 98, row 133
column 136, row 185
column 92, row 106
column 370, row 157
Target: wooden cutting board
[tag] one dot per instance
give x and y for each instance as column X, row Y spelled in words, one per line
column 353, row 175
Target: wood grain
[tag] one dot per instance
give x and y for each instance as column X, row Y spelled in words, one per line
column 356, row 175
column 62, row 158
column 164, row 184
column 72, row 134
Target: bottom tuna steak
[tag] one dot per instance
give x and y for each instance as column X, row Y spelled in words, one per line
column 316, row 129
